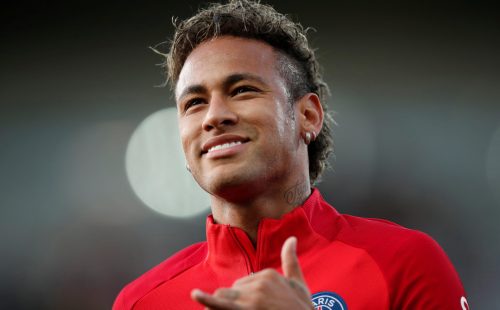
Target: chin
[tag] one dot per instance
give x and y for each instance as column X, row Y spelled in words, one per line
column 233, row 185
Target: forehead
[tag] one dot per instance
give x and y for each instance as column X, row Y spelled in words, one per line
column 215, row 59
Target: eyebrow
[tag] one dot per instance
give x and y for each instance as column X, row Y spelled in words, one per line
column 193, row 89
column 227, row 83
column 235, row 78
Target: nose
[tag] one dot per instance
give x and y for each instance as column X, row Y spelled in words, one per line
column 219, row 114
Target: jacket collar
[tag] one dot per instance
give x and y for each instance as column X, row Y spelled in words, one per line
column 314, row 223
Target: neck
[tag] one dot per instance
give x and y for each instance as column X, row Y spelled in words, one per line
column 246, row 213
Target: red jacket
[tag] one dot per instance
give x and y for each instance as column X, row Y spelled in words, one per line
column 348, row 263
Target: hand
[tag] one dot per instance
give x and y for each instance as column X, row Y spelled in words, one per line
column 266, row 289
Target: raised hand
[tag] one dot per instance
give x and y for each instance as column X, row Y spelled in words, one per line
column 266, row 289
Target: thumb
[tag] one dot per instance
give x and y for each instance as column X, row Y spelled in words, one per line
column 289, row 261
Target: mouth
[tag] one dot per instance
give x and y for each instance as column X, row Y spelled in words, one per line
column 224, row 146
column 222, row 143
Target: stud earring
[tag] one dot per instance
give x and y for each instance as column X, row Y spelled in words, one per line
column 307, row 138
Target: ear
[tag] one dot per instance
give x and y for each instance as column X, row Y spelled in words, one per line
column 310, row 113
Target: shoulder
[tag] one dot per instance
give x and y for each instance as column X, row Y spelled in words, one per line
column 370, row 233
column 167, row 270
column 386, row 240
column 417, row 270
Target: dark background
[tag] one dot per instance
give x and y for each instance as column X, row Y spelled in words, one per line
column 414, row 91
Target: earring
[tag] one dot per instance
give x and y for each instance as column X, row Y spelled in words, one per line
column 307, row 138
column 187, row 168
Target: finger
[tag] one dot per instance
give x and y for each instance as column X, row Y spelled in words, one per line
column 244, row 281
column 289, row 261
column 212, row 302
column 299, row 287
column 227, row 293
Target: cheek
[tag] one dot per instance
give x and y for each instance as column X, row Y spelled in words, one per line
column 185, row 137
column 285, row 123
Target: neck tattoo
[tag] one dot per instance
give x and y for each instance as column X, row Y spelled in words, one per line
column 295, row 195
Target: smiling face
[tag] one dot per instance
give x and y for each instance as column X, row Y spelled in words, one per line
column 238, row 130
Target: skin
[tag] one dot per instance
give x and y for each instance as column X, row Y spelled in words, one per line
column 266, row 289
column 229, row 89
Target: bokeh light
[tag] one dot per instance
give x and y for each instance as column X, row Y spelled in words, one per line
column 157, row 171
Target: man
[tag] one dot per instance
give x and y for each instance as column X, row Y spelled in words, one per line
column 256, row 136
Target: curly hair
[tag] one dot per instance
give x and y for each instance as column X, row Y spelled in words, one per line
column 296, row 61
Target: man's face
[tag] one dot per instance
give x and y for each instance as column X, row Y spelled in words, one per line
column 237, row 127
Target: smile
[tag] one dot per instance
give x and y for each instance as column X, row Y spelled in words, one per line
column 223, row 146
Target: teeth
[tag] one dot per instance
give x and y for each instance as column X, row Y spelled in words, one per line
column 223, row 146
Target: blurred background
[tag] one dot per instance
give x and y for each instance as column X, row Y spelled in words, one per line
column 92, row 189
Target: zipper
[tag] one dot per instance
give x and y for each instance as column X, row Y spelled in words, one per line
column 248, row 262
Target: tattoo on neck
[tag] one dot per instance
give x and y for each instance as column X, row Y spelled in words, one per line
column 296, row 194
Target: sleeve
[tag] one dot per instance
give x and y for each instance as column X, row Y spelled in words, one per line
column 119, row 303
column 165, row 271
column 426, row 277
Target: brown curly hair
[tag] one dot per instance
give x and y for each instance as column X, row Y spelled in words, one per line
column 296, row 63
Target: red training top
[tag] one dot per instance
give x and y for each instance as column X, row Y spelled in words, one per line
column 348, row 263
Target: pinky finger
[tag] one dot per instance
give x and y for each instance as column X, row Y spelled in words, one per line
column 212, row 302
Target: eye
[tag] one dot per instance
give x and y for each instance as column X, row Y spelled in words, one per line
column 192, row 102
column 243, row 89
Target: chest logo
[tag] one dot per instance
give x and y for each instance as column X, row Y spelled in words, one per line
column 328, row 301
